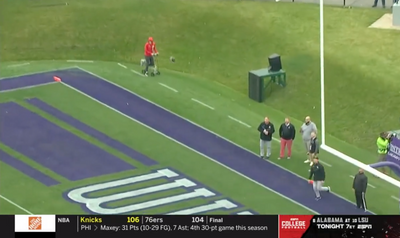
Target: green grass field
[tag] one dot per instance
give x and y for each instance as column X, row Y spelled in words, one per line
column 215, row 43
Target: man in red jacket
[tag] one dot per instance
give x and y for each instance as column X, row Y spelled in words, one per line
column 149, row 51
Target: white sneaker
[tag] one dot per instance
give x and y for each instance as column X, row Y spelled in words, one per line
column 311, row 163
column 288, row 157
column 279, row 158
column 329, row 189
column 306, row 161
column 146, row 74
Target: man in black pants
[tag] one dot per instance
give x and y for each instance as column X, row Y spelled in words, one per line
column 360, row 184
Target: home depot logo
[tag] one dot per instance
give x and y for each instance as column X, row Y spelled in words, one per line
column 35, row 223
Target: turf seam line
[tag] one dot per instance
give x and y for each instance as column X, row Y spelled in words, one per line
column 170, row 88
column 18, row 65
column 80, row 61
column 202, row 103
column 27, row 87
column 123, row 66
column 16, row 205
column 278, row 165
column 239, row 121
column 188, row 147
column 372, row 186
column 395, row 198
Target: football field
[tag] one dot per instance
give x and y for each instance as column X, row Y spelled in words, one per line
column 105, row 141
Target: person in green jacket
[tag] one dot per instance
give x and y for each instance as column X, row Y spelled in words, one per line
column 383, row 143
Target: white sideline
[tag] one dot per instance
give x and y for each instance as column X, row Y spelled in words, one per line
column 80, row 61
column 123, row 66
column 18, row 65
column 16, row 205
column 172, row 139
column 147, row 100
column 38, row 72
column 361, row 165
column 202, row 103
column 166, row 86
column 27, row 87
column 372, row 186
column 239, row 121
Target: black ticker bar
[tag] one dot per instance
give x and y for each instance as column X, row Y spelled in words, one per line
column 126, row 226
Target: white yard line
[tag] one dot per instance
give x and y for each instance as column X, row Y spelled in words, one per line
column 370, row 185
column 202, row 127
column 80, row 61
column 123, row 66
column 16, row 205
column 166, row 86
column 136, row 72
column 202, row 103
column 395, row 198
column 27, row 87
column 239, row 121
column 18, row 65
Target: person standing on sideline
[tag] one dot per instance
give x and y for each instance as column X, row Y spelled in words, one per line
column 383, row 144
column 360, row 184
column 317, row 173
column 149, row 52
column 287, row 132
column 314, row 148
column 306, row 129
column 266, row 129
column 376, row 3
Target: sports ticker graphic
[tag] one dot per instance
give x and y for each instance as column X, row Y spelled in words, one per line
column 273, row 226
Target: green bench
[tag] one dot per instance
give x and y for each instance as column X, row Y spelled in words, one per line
column 260, row 79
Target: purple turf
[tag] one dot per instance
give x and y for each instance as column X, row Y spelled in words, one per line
column 27, row 80
column 92, row 132
column 209, row 144
column 54, row 147
column 26, row 169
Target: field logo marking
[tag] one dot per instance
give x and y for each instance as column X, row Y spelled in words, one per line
column 100, row 204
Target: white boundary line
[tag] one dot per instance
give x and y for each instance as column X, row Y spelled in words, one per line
column 39, row 72
column 172, row 139
column 279, row 166
column 18, row 65
column 80, row 61
column 27, row 87
column 239, row 121
column 395, row 198
column 202, row 103
column 372, row 186
column 166, row 86
column 16, row 205
column 123, row 66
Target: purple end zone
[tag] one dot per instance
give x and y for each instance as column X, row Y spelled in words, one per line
column 27, row 80
column 208, row 143
column 26, row 169
column 54, row 147
column 92, row 132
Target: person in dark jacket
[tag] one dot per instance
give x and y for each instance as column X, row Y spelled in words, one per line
column 317, row 174
column 360, row 184
column 266, row 129
column 287, row 132
column 314, row 148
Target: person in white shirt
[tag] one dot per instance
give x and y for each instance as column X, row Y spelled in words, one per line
column 306, row 129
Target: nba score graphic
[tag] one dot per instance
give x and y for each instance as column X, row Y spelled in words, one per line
column 271, row 226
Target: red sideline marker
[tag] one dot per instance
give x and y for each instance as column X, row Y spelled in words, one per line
column 310, row 181
column 57, row 79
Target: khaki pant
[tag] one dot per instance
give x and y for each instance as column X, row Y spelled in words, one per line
column 306, row 144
